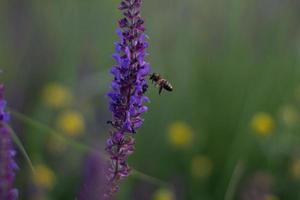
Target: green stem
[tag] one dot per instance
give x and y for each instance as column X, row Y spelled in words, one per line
column 20, row 146
column 236, row 175
column 149, row 179
column 59, row 136
column 46, row 129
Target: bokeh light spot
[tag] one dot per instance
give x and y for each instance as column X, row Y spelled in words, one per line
column 71, row 123
column 263, row 124
column 201, row 167
column 56, row 95
column 44, row 177
column 163, row 194
column 180, row 134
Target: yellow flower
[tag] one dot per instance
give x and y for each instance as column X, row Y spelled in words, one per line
column 43, row 176
column 180, row 134
column 163, row 194
column 271, row 197
column 263, row 124
column 56, row 95
column 71, row 123
column 289, row 115
column 295, row 169
column 201, row 167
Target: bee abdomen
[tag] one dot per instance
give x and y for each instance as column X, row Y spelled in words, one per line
column 168, row 86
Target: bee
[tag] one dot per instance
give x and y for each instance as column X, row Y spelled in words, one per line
column 161, row 82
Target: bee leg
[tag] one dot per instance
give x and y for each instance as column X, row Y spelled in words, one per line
column 160, row 90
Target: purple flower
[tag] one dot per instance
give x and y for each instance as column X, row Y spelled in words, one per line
column 7, row 153
column 127, row 91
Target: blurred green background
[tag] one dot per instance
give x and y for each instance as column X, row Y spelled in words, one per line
column 230, row 130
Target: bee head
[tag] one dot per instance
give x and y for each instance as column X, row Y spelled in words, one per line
column 154, row 76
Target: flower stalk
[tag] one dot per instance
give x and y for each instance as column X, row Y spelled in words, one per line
column 7, row 153
column 127, row 97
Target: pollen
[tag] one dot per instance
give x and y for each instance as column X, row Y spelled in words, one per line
column 180, row 134
column 163, row 194
column 201, row 167
column 71, row 123
column 263, row 124
column 44, row 177
column 56, row 95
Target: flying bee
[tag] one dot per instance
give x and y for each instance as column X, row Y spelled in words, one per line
column 161, row 82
